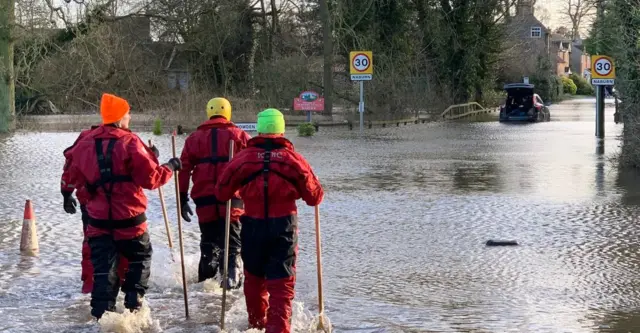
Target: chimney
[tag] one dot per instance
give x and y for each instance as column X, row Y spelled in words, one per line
column 524, row 8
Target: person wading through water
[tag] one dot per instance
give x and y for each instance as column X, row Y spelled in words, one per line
column 271, row 176
column 67, row 186
column 115, row 166
column 204, row 157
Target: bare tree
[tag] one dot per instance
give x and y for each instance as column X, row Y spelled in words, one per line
column 576, row 11
column 543, row 14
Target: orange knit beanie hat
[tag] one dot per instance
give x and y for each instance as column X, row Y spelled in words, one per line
column 112, row 108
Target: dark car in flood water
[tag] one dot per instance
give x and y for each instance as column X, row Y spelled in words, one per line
column 523, row 105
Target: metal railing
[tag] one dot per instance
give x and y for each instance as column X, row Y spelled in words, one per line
column 459, row 111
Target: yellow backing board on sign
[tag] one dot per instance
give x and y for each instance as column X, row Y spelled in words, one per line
column 361, row 62
column 602, row 67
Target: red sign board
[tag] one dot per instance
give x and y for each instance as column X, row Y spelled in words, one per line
column 308, row 101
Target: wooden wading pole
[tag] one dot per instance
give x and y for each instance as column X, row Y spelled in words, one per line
column 164, row 214
column 319, row 269
column 184, row 277
column 225, row 262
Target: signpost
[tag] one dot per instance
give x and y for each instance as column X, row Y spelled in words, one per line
column 603, row 73
column 361, row 69
column 308, row 101
column 249, row 127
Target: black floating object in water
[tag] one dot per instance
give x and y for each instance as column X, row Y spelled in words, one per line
column 492, row 242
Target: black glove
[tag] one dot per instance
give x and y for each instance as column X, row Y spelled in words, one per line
column 155, row 151
column 70, row 203
column 185, row 209
column 174, row 164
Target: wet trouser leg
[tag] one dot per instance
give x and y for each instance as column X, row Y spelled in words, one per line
column 105, row 279
column 257, row 300
column 269, row 251
column 138, row 252
column 236, row 274
column 255, row 289
column 87, row 267
column 209, row 250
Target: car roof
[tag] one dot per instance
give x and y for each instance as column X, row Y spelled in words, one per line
column 518, row 85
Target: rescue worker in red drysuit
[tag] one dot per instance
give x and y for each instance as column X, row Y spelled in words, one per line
column 204, row 157
column 271, row 176
column 115, row 166
column 67, row 187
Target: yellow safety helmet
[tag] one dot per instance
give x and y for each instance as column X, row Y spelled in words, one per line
column 219, row 107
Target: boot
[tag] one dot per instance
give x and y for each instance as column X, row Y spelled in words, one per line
column 133, row 301
column 208, row 267
column 99, row 311
column 235, row 276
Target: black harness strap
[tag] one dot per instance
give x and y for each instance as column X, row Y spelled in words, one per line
column 105, row 165
column 210, row 200
column 214, row 143
column 255, row 175
column 268, row 146
column 214, row 158
column 265, row 178
column 119, row 224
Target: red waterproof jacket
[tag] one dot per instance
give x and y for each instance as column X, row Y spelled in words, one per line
column 66, row 183
column 289, row 178
column 119, row 203
column 204, row 158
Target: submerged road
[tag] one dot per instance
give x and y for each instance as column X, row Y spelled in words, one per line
column 406, row 216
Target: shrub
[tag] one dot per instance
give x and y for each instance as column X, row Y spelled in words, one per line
column 584, row 87
column 569, row 87
column 306, row 129
column 492, row 97
column 157, row 127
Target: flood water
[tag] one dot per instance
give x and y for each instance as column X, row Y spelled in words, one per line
column 404, row 222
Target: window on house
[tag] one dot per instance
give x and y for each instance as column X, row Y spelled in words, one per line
column 536, row 32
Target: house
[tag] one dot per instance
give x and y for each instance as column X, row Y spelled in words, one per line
column 170, row 58
column 580, row 60
column 527, row 42
column 561, row 47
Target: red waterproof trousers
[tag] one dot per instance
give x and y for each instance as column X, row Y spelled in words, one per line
column 269, row 251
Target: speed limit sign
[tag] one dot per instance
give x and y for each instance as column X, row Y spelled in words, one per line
column 602, row 67
column 361, row 62
column 361, row 65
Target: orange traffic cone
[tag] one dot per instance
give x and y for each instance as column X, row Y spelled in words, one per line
column 29, row 239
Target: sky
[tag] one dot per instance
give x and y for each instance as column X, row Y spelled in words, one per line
column 553, row 9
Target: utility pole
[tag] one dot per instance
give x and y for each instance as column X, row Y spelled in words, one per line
column 7, row 80
column 600, row 88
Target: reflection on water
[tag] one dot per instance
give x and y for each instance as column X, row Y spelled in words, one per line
column 406, row 216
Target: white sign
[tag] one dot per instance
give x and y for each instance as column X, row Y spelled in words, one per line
column 603, row 67
column 526, row 80
column 250, row 127
column 602, row 82
column 361, row 107
column 361, row 62
column 361, row 77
